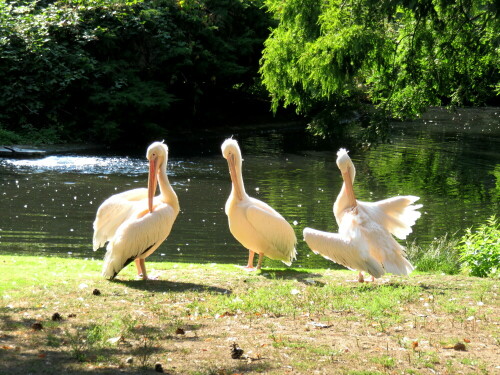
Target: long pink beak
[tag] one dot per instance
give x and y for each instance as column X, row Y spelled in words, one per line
column 349, row 189
column 234, row 178
column 151, row 184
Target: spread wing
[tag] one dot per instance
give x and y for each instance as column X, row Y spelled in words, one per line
column 138, row 237
column 342, row 250
column 113, row 212
column 275, row 230
column 397, row 214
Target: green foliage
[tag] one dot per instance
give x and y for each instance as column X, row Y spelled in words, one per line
column 480, row 250
column 8, row 137
column 441, row 255
column 114, row 70
column 399, row 56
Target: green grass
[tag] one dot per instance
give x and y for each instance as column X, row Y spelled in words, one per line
column 284, row 319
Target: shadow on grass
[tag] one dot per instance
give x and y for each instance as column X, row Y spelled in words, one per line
column 165, row 285
column 303, row 276
column 55, row 361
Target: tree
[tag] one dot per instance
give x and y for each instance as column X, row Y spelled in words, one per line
column 116, row 70
column 329, row 58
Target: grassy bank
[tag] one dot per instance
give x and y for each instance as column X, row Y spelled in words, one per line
column 59, row 316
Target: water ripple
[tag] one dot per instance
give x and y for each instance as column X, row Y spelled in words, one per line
column 80, row 164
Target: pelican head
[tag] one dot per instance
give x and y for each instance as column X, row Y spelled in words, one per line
column 348, row 171
column 231, row 147
column 231, row 152
column 345, row 164
column 157, row 154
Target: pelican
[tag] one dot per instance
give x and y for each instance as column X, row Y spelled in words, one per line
column 135, row 223
column 255, row 224
column 365, row 240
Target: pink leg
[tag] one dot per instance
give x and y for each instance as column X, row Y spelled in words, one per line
column 250, row 260
column 141, row 268
column 259, row 264
column 361, row 279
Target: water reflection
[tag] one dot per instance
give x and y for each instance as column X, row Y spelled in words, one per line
column 48, row 205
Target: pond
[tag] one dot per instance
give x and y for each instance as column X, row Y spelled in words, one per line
column 450, row 160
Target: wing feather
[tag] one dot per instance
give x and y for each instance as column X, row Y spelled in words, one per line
column 113, row 212
column 137, row 238
column 275, row 230
column 342, row 250
column 397, row 214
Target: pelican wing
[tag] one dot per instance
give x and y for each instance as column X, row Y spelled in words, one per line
column 346, row 251
column 397, row 214
column 275, row 230
column 138, row 237
column 113, row 212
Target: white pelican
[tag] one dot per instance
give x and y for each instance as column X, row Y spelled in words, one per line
column 135, row 223
column 365, row 241
column 255, row 224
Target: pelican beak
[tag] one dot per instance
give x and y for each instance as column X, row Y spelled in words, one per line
column 234, row 178
column 151, row 183
column 349, row 189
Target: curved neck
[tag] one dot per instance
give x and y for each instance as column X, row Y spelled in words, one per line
column 167, row 193
column 346, row 198
column 238, row 187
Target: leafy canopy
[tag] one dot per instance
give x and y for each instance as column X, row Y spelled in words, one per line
column 116, row 70
column 327, row 57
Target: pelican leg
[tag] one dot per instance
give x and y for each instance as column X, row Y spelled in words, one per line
column 141, row 268
column 250, row 260
column 259, row 264
column 361, row 279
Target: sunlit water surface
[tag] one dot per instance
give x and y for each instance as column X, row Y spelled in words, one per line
column 452, row 161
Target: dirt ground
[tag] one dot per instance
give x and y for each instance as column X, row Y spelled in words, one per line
column 451, row 328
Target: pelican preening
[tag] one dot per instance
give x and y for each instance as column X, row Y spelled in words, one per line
column 255, row 224
column 134, row 223
column 364, row 241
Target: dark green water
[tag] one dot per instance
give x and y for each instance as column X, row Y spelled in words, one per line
column 452, row 161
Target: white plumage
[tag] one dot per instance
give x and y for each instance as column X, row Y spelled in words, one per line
column 365, row 239
column 255, row 224
column 133, row 223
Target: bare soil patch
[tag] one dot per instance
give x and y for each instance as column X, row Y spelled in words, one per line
column 218, row 320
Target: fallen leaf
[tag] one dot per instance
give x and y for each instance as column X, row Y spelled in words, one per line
column 414, row 345
column 467, row 341
column 158, row 367
column 96, row 292
column 37, row 326
column 236, row 351
column 180, row 331
column 320, row 325
column 56, row 317
column 460, row 346
column 114, row 340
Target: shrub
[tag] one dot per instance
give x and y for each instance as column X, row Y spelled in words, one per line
column 441, row 255
column 480, row 250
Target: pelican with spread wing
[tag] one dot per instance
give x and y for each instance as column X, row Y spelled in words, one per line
column 365, row 239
